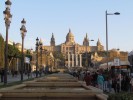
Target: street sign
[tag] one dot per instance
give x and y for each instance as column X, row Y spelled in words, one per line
column 27, row 60
column 116, row 62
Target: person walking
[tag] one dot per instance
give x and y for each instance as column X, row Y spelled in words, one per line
column 131, row 84
column 2, row 74
column 116, row 85
column 109, row 82
column 105, row 85
column 95, row 79
column 100, row 81
column 88, row 79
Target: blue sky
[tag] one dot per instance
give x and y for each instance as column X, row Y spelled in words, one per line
column 45, row 17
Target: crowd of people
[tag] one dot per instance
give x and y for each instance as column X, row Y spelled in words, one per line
column 106, row 80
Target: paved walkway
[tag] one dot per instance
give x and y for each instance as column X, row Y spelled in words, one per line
column 17, row 78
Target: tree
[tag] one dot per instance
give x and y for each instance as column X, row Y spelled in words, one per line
column 60, row 57
column 86, row 59
column 13, row 52
column 1, row 51
column 102, row 53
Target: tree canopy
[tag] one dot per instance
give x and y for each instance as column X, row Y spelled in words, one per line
column 13, row 52
column 102, row 53
column 59, row 56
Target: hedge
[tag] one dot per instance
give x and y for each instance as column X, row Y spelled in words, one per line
column 121, row 96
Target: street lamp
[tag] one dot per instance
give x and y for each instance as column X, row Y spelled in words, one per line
column 106, row 14
column 23, row 33
column 40, row 43
column 7, row 19
column 37, row 44
column 46, row 53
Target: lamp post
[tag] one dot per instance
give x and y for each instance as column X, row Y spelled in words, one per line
column 37, row 44
column 7, row 19
column 23, row 33
column 54, row 63
column 106, row 14
column 40, row 43
column 29, row 67
column 46, row 53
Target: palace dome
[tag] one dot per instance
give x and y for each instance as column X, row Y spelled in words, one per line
column 70, row 34
column 70, row 37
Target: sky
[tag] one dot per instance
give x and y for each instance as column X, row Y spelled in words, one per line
column 44, row 17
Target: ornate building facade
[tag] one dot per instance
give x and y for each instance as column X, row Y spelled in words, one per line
column 72, row 50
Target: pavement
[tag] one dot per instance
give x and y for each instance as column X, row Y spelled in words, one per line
column 17, row 78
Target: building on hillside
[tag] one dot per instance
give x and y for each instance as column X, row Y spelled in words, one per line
column 115, row 55
column 72, row 50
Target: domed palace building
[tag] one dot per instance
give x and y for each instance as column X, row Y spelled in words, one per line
column 72, row 50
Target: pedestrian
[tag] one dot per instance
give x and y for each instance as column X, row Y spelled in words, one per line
column 127, row 83
column 105, row 82
column 100, row 81
column 28, row 75
column 88, row 79
column 114, row 84
column 2, row 74
column 109, row 82
column 82, row 75
column 118, row 85
column 95, row 79
column 131, row 84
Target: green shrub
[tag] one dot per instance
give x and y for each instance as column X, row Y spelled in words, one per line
column 121, row 96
